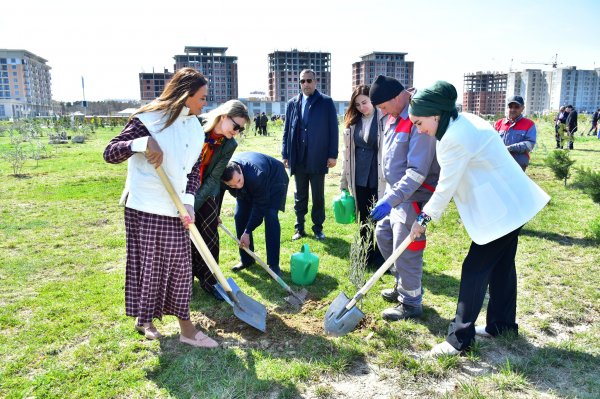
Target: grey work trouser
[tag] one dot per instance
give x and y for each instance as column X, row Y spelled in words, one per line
column 390, row 232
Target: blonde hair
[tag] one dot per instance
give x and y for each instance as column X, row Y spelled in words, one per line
column 231, row 108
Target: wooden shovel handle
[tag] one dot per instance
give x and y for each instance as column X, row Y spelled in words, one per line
column 194, row 233
column 380, row 272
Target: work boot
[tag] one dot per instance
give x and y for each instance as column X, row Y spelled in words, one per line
column 402, row 312
column 390, row 294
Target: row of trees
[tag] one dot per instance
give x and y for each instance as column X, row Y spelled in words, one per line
column 34, row 139
column 107, row 107
column 586, row 179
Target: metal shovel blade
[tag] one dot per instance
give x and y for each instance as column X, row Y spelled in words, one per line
column 251, row 312
column 247, row 309
column 296, row 299
column 339, row 320
column 234, row 288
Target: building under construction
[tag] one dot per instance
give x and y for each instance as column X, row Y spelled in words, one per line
column 285, row 68
column 484, row 93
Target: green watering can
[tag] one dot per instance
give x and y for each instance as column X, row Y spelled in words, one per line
column 304, row 266
column 344, row 208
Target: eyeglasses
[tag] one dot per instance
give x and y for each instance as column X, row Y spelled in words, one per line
column 236, row 126
column 309, row 81
column 514, row 106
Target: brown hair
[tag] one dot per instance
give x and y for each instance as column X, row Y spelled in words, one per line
column 352, row 115
column 184, row 83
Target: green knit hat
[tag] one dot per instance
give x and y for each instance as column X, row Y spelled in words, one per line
column 439, row 99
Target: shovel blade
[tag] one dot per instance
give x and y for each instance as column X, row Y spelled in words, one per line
column 251, row 312
column 340, row 321
column 297, row 299
column 234, row 288
column 247, row 309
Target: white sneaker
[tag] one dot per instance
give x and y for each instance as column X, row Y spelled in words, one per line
column 443, row 348
column 480, row 330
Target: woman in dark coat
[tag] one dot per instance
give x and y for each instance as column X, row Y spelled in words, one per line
column 221, row 125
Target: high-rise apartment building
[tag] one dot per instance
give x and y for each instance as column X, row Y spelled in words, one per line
column 365, row 71
column 25, row 89
column 220, row 70
column 285, row 68
column 546, row 91
column 152, row 84
column 484, row 93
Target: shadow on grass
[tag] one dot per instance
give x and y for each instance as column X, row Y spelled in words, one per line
column 559, row 238
column 556, row 370
column 250, row 363
column 269, row 289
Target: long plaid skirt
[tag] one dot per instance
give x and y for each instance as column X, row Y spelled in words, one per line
column 207, row 222
column 158, row 274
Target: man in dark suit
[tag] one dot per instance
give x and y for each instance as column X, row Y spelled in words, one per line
column 310, row 147
column 259, row 183
column 571, row 124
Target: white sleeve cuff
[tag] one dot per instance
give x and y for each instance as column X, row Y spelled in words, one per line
column 140, row 144
column 188, row 199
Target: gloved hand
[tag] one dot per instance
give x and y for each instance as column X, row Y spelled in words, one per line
column 381, row 210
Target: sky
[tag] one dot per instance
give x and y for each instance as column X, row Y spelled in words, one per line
column 110, row 42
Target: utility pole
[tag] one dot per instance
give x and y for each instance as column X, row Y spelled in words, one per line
column 83, row 103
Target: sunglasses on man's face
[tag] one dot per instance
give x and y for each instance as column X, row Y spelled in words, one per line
column 236, row 126
column 309, row 81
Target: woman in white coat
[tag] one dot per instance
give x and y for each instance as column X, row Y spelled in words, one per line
column 494, row 199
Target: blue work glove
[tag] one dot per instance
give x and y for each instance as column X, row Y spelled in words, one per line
column 381, row 210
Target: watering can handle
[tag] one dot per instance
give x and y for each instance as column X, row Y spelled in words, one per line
column 305, row 249
column 380, row 272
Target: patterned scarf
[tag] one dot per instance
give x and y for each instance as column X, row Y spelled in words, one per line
column 210, row 143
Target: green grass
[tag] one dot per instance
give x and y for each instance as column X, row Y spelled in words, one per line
column 63, row 332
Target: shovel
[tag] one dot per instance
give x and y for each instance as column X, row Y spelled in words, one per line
column 343, row 315
column 245, row 308
column 294, row 299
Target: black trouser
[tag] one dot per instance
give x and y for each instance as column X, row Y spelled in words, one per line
column 317, row 187
column 491, row 264
column 366, row 198
column 243, row 209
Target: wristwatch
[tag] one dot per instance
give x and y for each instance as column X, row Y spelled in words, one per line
column 423, row 219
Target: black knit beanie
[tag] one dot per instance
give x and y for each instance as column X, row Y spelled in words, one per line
column 383, row 89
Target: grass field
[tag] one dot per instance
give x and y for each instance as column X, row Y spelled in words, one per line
column 64, row 334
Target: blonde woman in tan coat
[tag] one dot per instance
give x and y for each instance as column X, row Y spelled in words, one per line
column 362, row 173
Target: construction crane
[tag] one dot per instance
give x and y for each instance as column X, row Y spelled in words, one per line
column 553, row 63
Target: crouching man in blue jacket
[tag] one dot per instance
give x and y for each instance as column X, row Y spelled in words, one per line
column 259, row 183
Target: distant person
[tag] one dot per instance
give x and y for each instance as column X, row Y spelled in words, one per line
column 257, row 124
column 264, row 121
column 361, row 171
column 517, row 132
column 221, row 125
column 411, row 173
column 259, row 183
column 309, row 148
column 560, row 126
column 594, row 127
column 494, row 199
column 158, row 273
column 571, row 124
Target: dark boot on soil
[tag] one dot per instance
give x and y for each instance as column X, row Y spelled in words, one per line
column 403, row 312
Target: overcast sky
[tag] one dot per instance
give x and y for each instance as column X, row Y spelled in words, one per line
column 111, row 42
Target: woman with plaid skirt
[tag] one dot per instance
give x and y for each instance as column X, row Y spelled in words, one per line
column 220, row 125
column 167, row 133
